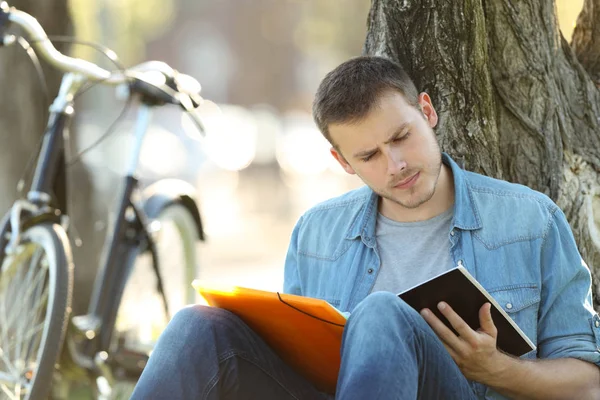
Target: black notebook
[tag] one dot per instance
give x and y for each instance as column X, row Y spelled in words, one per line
column 466, row 296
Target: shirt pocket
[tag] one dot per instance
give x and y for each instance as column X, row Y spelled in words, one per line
column 521, row 303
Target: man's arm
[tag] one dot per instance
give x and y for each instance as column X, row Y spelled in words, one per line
column 568, row 331
column 291, row 277
column 565, row 378
column 476, row 355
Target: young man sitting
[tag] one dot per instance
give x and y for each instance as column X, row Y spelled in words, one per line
column 418, row 215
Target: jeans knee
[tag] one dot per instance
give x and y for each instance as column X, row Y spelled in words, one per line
column 385, row 309
column 199, row 318
column 384, row 303
column 190, row 315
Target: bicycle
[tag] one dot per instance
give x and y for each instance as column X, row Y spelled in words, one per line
column 36, row 267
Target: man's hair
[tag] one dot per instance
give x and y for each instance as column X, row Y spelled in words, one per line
column 349, row 92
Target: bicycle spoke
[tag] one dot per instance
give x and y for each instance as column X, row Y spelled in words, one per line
column 3, row 327
column 34, row 310
column 18, row 391
column 23, row 320
column 22, row 333
column 33, row 345
column 29, row 289
column 9, row 319
column 10, row 394
column 7, row 328
column 9, row 365
column 40, row 274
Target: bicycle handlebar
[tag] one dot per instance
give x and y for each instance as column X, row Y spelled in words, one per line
column 45, row 48
column 185, row 84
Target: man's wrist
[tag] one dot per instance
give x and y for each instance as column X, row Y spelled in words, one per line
column 503, row 371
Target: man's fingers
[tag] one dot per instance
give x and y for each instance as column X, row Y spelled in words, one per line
column 447, row 337
column 460, row 326
column 451, row 351
column 486, row 322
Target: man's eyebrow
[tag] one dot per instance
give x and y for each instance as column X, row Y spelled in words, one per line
column 393, row 136
column 398, row 132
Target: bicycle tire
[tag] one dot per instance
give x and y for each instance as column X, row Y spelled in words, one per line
column 53, row 240
column 176, row 278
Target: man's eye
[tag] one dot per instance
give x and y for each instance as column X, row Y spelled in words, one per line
column 402, row 137
column 367, row 158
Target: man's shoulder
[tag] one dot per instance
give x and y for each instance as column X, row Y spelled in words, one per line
column 509, row 212
column 322, row 229
column 352, row 200
column 502, row 191
column 337, row 215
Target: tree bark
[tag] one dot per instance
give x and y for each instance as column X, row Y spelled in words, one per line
column 514, row 101
column 586, row 39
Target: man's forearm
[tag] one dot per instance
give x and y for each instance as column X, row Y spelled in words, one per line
column 565, row 378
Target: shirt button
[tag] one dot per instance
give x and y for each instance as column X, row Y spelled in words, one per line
column 509, row 305
column 452, row 232
column 597, row 324
column 370, row 270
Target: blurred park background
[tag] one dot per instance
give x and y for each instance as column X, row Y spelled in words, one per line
column 261, row 61
column 263, row 164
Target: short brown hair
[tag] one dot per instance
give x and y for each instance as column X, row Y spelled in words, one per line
column 349, row 92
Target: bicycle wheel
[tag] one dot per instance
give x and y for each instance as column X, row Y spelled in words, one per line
column 141, row 316
column 35, row 294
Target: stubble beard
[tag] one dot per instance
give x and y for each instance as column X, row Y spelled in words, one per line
column 411, row 203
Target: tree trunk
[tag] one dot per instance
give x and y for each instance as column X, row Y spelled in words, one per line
column 586, row 39
column 514, row 101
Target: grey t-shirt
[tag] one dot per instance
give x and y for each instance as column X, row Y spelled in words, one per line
column 412, row 252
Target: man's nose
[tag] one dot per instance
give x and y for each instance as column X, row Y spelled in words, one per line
column 395, row 162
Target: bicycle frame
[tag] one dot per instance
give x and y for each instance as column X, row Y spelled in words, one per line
column 128, row 236
column 46, row 200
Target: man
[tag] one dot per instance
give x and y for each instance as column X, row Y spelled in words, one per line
column 419, row 215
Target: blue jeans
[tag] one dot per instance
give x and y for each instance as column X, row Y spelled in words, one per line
column 388, row 352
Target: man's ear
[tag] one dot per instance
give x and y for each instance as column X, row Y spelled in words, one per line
column 340, row 158
column 428, row 110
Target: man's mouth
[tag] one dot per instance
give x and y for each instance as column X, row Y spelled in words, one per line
column 408, row 182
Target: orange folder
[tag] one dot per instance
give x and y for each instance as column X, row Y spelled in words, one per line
column 310, row 344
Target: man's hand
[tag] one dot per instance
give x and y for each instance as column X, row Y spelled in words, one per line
column 474, row 352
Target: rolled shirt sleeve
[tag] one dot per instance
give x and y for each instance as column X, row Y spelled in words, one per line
column 568, row 324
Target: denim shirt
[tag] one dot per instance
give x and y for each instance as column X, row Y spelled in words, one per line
column 515, row 241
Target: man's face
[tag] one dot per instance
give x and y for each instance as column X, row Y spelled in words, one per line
column 393, row 150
